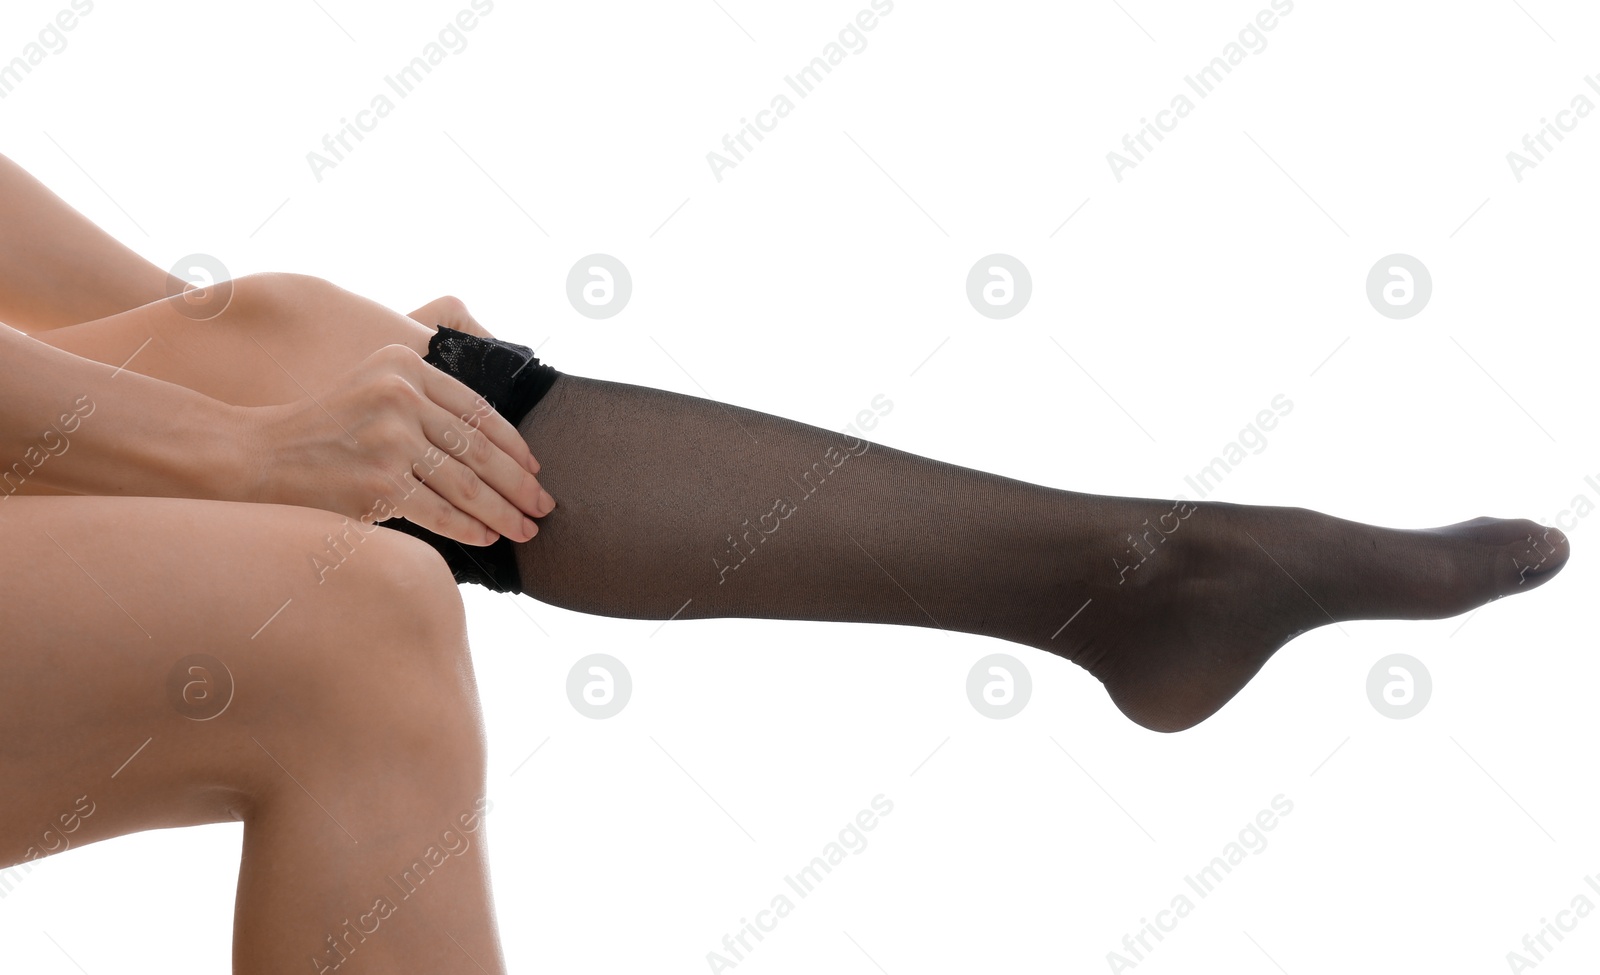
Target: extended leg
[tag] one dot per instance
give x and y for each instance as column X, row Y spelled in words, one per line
column 671, row 505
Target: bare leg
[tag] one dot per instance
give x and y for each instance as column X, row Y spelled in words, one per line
column 64, row 269
column 350, row 745
column 673, row 506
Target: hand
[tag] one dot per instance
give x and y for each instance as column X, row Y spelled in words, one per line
column 398, row 437
column 449, row 311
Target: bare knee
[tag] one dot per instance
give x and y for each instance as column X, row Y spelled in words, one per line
column 323, row 327
column 378, row 677
column 418, row 629
column 268, row 296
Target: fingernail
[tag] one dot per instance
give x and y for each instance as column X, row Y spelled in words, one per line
column 529, row 528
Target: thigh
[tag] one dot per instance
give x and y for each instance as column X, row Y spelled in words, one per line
column 154, row 650
column 275, row 339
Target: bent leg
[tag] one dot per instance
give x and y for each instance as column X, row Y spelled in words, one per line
column 63, row 269
column 171, row 662
column 269, row 339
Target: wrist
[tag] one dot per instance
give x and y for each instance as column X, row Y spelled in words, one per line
column 243, row 471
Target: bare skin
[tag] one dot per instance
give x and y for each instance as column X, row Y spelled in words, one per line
column 264, row 389
column 350, row 747
column 351, row 744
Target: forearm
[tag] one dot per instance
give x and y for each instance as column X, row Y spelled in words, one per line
column 60, row 269
column 73, row 424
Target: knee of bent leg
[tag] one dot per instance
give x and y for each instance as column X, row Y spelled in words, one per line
column 394, row 665
column 407, row 583
column 367, row 672
column 274, row 297
column 426, row 699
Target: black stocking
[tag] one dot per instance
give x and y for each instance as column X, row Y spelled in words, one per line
column 671, row 506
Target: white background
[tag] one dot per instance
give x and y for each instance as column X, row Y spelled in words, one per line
column 823, row 270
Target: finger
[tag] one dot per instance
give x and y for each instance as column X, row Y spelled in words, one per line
column 475, row 411
column 484, row 458
column 467, row 470
column 459, row 485
column 473, row 446
column 424, row 508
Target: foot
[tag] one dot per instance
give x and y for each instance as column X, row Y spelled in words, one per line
column 1193, row 604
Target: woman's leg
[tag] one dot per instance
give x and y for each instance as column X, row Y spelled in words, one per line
column 278, row 338
column 672, row 506
column 677, row 507
column 59, row 268
column 171, row 662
